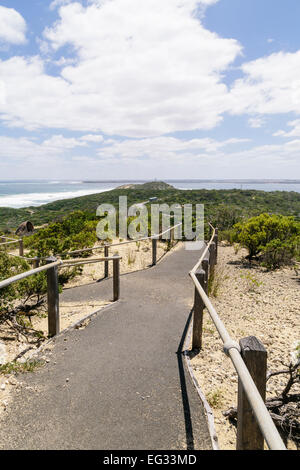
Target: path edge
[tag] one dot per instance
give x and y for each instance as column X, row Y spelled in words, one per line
column 207, row 409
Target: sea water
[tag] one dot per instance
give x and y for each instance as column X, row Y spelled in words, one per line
column 25, row 193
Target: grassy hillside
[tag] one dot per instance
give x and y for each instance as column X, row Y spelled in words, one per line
column 232, row 204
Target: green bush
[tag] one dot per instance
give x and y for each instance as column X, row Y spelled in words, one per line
column 75, row 232
column 273, row 239
column 32, row 289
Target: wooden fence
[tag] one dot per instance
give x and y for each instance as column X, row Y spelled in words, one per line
column 249, row 357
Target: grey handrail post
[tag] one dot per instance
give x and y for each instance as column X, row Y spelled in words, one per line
column 198, row 311
column 116, row 277
column 106, row 265
column 249, row 436
column 53, row 298
column 154, row 251
column 21, row 247
column 36, row 262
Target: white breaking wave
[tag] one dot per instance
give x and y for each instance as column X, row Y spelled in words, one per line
column 17, row 201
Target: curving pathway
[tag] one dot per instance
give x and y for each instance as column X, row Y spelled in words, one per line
column 127, row 386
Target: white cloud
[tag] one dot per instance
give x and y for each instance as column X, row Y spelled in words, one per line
column 144, row 69
column 92, row 138
column 160, row 156
column 58, row 3
column 256, row 122
column 63, row 61
column 271, row 85
column 295, row 132
column 61, row 142
column 164, row 148
column 12, row 26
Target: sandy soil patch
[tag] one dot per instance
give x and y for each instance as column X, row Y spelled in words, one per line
column 250, row 301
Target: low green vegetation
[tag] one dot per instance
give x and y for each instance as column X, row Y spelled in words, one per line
column 223, row 208
column 216, row 280
column 273, row 240
column 74, row 232
column 15, row 367
column 253, row 284
column 251, row 219
column 215, row 399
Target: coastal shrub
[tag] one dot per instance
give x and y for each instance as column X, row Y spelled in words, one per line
column 272, row 239
column 27, row 291
column 74, row 232
column 277, row 253
column 226, row 216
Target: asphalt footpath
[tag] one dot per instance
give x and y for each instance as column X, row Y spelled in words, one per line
column 121, row 382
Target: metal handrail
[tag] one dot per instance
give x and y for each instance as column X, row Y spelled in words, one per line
column 258, row 406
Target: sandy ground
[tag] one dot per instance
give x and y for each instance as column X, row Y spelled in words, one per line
column 250, row 301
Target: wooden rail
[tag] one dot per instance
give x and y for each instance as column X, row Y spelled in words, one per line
column 36, row 261
column 4, row 243
column 52, row 266
column 249, row 358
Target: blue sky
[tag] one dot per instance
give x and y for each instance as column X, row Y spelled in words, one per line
column 145, row 89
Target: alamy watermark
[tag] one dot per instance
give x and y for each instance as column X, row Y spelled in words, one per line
column 178, row 222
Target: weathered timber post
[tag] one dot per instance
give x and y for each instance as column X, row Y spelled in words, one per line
column 212, row 256
column 106, row 265
column 198, row 311
column 21, row 247
column 172, row 235
column 53, row 298
column 205, row 265
column 249, row 436
column 116, row 277
column 215, row 239
column 154, row 251
column 36, row 262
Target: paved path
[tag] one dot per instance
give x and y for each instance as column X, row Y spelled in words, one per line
column 127, row 388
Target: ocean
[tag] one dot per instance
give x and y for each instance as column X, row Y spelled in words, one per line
column 25, row 193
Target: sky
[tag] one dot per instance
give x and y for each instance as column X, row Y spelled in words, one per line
column 144, row 89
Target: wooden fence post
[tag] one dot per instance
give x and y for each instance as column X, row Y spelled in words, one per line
column 205, row 264
column 212, row 256
column 36, row 262
column 154, row 251
column 53, row 298
column 116, row 277
column 215, row 239
column 198, row 311
column 249, row 436
column 21, row 247
column 106, row 265
column 172, row 235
